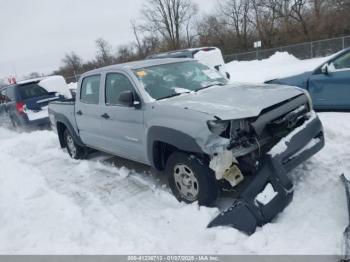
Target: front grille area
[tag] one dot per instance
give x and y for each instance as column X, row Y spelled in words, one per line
column 289, row 121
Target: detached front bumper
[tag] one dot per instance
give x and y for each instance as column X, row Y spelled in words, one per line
column 248, row 212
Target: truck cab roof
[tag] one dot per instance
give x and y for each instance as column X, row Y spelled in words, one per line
column 138, row 64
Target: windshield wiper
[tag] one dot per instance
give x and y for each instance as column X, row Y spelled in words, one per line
column 210, row 85
column 173, row 95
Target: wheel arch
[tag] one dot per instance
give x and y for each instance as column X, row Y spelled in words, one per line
column 163, row 141
column 62, row 124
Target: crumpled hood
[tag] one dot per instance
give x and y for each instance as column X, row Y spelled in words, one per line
column 234, row 101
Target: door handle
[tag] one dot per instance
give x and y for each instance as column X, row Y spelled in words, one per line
column 105, row 116
column 79, row 113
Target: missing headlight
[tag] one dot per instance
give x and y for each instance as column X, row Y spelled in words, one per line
column 219, row 127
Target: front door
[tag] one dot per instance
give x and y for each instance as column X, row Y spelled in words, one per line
column 87, row 112
column 122, row 126
column 332, row 90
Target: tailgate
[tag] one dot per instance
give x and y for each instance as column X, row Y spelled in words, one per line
column 37, row 107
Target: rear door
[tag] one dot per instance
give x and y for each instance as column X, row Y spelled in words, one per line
column 123, row 130
column 332, row 90
column 87, row 111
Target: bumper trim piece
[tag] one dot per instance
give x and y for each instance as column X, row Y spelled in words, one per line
column 245, row 214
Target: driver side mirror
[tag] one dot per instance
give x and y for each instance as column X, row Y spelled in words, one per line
column 328, row 68
column 127, row 98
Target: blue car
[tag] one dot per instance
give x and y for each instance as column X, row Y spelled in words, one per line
column 328, row 85
column 25, row 105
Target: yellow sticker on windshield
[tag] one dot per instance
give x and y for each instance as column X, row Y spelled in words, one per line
column 141, row 73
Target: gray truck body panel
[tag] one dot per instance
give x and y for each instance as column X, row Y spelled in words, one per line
column 182, row 122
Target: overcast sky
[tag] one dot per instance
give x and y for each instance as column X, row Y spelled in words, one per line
column 35, row 34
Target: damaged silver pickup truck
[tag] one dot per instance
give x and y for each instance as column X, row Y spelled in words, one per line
column 205, row 134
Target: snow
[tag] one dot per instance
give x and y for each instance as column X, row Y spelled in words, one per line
column 281, row 64
column 51, row 204
column 180, row 90
column 56, row 84
column 72, row 85
column 266, row 195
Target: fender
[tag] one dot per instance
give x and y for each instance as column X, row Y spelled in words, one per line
column 64, row 120
column 172, row 137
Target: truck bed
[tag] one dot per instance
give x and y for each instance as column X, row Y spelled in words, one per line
column 63, row 112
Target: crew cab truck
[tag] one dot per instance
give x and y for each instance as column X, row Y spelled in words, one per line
column 184, row 119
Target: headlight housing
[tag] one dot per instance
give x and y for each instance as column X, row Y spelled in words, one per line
column 219, row 127
column 311, row 106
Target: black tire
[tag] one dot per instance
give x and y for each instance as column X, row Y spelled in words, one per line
column 74, row 150
column 15, row 123
column 204, row 184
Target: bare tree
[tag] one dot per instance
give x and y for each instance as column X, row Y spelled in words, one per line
column 104, row 52
column 72, row 62
column 237, row 15
column 170, row 19
column 135, row 30
column 125, row 53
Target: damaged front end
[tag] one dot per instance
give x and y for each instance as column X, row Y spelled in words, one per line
column 257, row 156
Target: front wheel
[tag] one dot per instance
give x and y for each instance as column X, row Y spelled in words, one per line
column 191, row 179
column 74, row 150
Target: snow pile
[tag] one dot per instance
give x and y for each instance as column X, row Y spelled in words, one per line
column 52, row 204
column 56, row 84
column 281, row 64
column 72, row 86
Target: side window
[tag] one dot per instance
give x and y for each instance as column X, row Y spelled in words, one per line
column 115, row 84
column 90, row 90
column 342, row 62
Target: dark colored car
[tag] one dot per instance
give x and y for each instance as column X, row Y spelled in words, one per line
column 25, row 105
column 328, row 85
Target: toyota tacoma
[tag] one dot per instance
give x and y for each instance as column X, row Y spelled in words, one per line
column 206, row 134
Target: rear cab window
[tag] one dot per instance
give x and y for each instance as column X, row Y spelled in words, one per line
column 90, row 90
column 31, row 90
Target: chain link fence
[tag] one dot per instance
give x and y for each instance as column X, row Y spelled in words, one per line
column 306, row 50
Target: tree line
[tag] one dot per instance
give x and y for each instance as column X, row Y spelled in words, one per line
column 233, row 25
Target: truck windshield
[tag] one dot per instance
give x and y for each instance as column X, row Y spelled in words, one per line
column 31, row 90
column 167, row 80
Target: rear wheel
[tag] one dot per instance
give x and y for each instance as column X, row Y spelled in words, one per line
column 15, row 123
column 74, row 150
column 191, row 179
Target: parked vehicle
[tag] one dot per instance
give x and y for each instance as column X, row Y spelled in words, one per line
column 328, row 85
column 184, row 119
column 210, row 56
column 26, row 103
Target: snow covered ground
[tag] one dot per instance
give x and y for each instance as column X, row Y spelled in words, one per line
column 51, row 204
